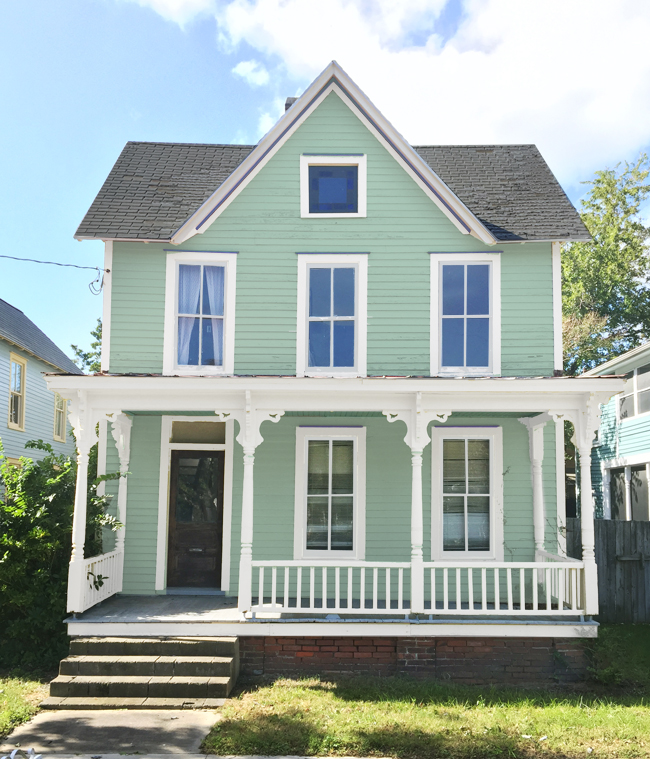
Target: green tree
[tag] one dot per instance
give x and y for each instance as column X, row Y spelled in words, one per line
column 90, row 361
column 605, row 287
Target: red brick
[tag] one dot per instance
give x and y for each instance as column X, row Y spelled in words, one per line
column 329, row 648
column 311, row 648
column 343, row 655
column 302, row 654
column 363, row 655
column 291, row 648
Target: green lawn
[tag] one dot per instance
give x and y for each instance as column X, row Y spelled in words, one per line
column 19, row 699
column 398, row 717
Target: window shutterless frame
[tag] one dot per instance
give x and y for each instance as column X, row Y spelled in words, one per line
column 340, row 160
column 17, row 392
column 332, row 261
column 170, row 349
column 635, row 400
column 494, row 435
column 305, row 435
column 60, row 409
column 437, row 262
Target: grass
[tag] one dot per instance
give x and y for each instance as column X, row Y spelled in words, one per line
column 399, row 717
column 20, row 696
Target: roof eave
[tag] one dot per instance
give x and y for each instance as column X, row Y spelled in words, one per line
column 40, row 358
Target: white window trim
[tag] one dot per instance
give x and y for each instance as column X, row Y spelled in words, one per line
column 634, row 392
column 305, row 262
column 495, row 312
column 14, row 358
column 65, row 418
column 303, row 435
column 166, row 449
column 334, row 160
column 229, row 260
column 495, row 436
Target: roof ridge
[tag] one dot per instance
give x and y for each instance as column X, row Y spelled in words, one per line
column 191, row 144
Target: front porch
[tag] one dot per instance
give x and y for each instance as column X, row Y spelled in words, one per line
column 400, row 579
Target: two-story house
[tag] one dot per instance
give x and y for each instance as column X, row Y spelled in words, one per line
column 29, row 409
column 332, row 367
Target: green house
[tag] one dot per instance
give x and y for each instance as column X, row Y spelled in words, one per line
column 332, row 369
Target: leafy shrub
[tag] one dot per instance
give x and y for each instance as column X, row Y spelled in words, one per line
column 36, row 507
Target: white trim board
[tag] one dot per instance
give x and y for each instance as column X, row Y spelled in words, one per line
column 107, row 306
column 334, row 79
column 163, row 494
column 636, row 460
column 556, row 257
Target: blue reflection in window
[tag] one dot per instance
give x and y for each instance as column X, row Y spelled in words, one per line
column 453, row 339
column 212, row 342
column 478, row 290
column 478, row 342
column 333, row 189
column 319, row 343
column 343, row 292
column 320, row 292
column 453, row 290
column 344, row 344
column 188, row 341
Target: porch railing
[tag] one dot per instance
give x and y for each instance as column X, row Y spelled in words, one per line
column 95, row 579
column 303, row 587
column 550, row 587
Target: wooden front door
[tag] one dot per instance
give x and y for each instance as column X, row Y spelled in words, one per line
column 195, row 519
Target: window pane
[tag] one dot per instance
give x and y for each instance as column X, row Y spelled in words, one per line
column 478, row 523
column 643, row 377
column 213, row 279
column 343, row 344
column 342, row 466
column 196, row 497
column 317, row 523
column 342, row 508
column 639, row 493
column 453, row 290
column 453, row 466
column 453, row 339
column 188, row 341
column 478, row 289
column 189, row 289
column 478, row 342
column 617, row 493
column 212, row 343
column 15, row 404
column 478, row 461
column 644, row 401
column 320, row 292
column 343, row 292
column 318, row 467
column 333, row 189
column 319, row 343
column 16, row 378
column 453, row 523
column 626, row 407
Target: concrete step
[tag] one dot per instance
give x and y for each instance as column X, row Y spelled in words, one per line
column 154, row 646
column 172, row 666
column 98, row 702
column 125, row 686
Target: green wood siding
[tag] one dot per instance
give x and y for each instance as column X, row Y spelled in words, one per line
column 263, row 224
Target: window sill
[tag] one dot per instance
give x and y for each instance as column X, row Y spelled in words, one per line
column 15, row 427
column 333, row 216
column 58, row 440
column 332, row 374
column 204, row 371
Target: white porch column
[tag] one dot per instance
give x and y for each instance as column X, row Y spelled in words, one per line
column 121, row 430
column 417, row 421
column 535, row 426
column 249, row 437
column 82, row 424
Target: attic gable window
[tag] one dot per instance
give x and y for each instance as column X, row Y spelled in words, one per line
column 332, row 186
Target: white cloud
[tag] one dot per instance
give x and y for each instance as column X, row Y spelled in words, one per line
column 180, row 11
column 572, row 77
column 253, row 72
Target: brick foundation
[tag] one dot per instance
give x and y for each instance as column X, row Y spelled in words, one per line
column 482, row 661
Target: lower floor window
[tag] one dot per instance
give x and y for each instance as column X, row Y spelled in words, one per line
column 637, row 508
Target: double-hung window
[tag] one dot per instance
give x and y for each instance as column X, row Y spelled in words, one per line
column 330, row 492
column 59, row 418
column 636, row 397
column 465, row 314
column 466, row 495
column 332, row 320
column 17, row 384
column 199, row 313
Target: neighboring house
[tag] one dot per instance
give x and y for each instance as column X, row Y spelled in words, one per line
column 31, row 411
column 621, row 452
column 331, row 364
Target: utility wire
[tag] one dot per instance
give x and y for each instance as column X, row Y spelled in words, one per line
column 95, row 286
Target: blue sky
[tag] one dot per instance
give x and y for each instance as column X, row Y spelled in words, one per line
column 81, row 77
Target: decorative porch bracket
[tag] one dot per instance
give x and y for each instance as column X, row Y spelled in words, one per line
column 535, row 426
column 586, row 422
column 121, row 430
column 250, row 420
column 417, row 421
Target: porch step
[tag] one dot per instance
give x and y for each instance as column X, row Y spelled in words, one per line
column 145, row 673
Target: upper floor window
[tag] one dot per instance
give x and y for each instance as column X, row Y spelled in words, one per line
column 332, row 314
column 465, row 314
column 17, row 384
column 332, row 185
column 59, row 418
column 635, row 399
column 199, row 313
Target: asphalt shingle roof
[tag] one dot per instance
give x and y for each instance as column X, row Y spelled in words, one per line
column 155, row 186
column 17, row 329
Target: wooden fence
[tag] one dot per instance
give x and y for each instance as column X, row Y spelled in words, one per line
column 623, row 558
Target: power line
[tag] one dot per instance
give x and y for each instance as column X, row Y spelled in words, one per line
column 95, row 286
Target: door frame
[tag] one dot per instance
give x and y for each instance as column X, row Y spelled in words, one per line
column 166, row 449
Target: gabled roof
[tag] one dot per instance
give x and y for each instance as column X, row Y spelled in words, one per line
column 20, row 331
column 632, row 359
column 170, row 192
